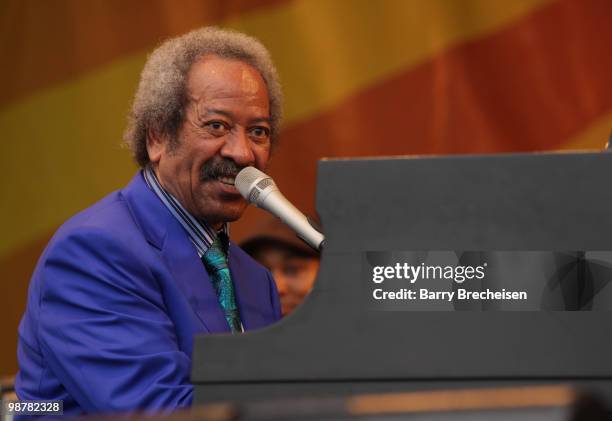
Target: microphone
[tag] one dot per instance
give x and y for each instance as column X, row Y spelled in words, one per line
column 259, row 188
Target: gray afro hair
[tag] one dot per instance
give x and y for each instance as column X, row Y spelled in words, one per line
column 161, row 95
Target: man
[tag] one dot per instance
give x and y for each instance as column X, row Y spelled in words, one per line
column 123, row 286
column 293, row 264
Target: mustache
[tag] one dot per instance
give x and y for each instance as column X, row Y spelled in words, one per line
column 216, row 168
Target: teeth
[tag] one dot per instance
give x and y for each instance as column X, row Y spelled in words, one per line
column 227, row 180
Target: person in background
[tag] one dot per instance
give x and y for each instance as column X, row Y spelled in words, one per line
column 294, row 264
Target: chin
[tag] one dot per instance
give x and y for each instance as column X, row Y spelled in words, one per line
column 231, row 217
column 223, row 212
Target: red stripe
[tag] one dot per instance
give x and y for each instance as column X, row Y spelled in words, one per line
column 53, row 41
column 529, row 87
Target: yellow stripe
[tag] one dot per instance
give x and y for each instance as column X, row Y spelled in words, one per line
column 60, row 148
column 61, row 151
column 593, row 137
column 327, row 50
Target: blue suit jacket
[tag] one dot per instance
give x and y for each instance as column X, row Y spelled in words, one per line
column 114, row 303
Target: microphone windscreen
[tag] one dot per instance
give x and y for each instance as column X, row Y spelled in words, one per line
column 250, row 181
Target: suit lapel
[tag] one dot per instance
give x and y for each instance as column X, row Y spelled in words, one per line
column 188, row 270
column 165, row 233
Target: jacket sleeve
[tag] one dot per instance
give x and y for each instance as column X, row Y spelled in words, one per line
column 104, row 329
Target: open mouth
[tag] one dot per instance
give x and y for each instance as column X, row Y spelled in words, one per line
column 227, row 180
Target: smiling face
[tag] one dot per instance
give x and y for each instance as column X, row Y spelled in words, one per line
column 294, row 273
column 226, row 127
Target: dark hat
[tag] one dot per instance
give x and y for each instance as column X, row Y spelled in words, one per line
column 275, row 234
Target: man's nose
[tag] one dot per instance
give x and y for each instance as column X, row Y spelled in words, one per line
column 238, row 148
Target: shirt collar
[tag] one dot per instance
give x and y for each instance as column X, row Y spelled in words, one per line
column 201, row 234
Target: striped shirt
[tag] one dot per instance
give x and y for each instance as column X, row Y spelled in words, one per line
column 200, row 233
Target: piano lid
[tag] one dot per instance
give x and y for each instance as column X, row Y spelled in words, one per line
column 549, row 215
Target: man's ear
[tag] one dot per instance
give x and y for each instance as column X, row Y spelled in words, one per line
column 156, row 145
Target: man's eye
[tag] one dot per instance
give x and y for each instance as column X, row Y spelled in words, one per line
column 216, row 126
column 292, row 269
column 260, row 133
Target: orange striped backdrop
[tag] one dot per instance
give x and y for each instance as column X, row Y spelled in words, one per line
column 361, row 78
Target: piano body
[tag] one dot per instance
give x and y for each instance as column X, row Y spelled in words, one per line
column 548, row 216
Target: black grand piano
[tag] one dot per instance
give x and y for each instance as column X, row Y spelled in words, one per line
column 540, row 223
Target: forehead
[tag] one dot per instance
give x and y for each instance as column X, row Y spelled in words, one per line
column 213, row 77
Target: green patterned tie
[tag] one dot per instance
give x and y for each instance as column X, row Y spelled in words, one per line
column 215, row 261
